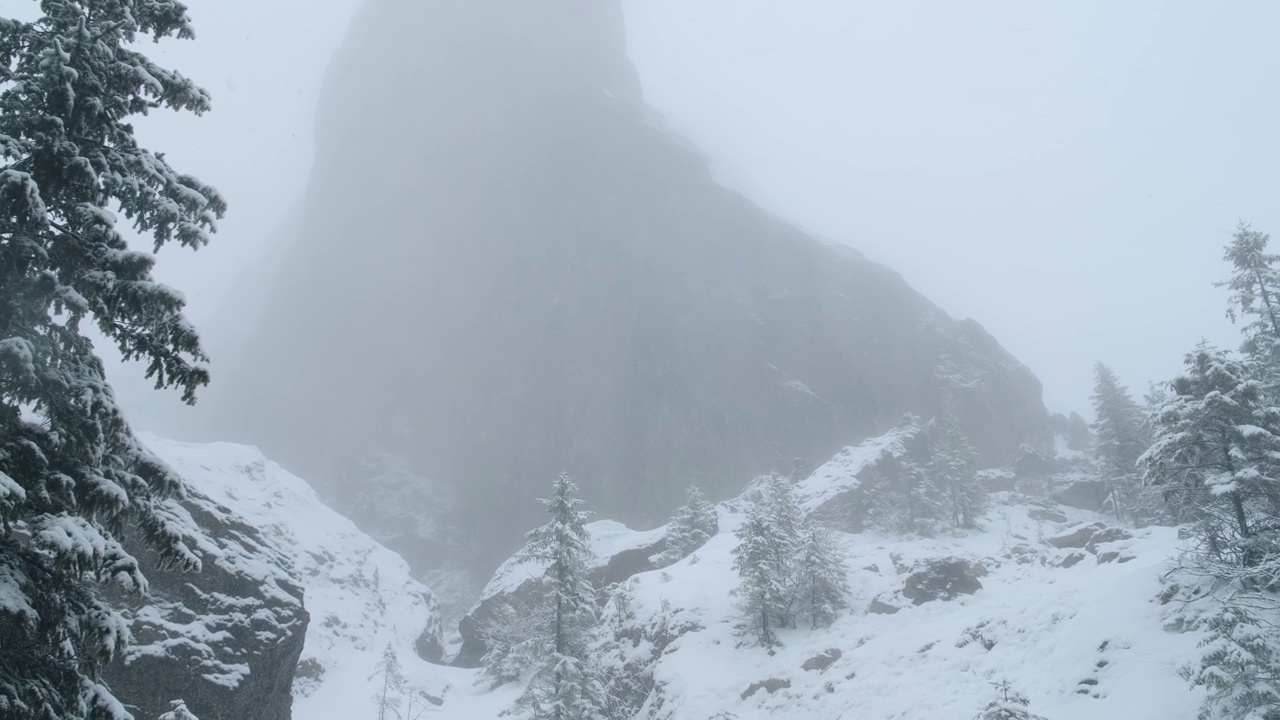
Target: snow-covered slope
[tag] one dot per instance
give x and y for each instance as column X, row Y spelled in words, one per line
column 1080, row 632
column 1083, row 642
column 359, row 594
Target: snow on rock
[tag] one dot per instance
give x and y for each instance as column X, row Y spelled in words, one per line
column 359, row 594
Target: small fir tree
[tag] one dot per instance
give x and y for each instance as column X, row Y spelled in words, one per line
column 1239, row 667
column 178, row 711
column 1008, row 705
column 690, row 528
column 566, row 687
column 953, row 475
column 391, row 681
column 763, row 591
column 1121, row 436
column 823, row 576
column 1255, row 291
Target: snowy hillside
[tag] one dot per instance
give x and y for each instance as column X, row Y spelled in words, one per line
column 1068, row 612
column 359, row 594
column 1079, row 630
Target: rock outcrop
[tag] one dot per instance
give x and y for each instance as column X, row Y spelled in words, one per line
column 507, row 267
column 226, row 639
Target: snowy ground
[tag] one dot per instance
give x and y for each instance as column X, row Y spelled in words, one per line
column 1083, row 642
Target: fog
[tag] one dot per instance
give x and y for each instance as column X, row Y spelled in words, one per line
column 472, row 244
column 1065, row 181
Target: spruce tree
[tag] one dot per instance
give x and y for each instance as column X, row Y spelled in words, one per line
column 390, row 684
column 1255, row 291
column 691, row 527
column 952, row 476
column 1239, row 667
column 823, row 576
column 766, row 556
column 1216, row 455
column 71, row 473
column 1121, row 436
column 1008, row 705
column 567, row 686
column 763, row 589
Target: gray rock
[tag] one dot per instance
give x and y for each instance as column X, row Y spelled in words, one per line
column 1046, row 515
column 1082, row 494
column 822, row 660
column 245, row 595
column 880, row 607
column 772, row 685
column 1071, row 559
column 942, row 579
column 1107, row 535
column 1077, row 538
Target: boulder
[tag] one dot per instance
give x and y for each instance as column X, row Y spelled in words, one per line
column 880, row 607
column 1107, row 535
column 226, row 639
column 1082, row 493
column 1071, row 559
column 822, row 660
column 1076, row 538
column 772, row 685
column 942, row 579
column 1044, row 514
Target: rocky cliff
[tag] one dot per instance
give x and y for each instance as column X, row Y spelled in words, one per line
column 507, row 267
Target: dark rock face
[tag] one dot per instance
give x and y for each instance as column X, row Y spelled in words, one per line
column 944, row 579
column 226, row 639
column 507, row 268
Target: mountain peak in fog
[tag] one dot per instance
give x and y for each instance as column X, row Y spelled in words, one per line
column 507, row 268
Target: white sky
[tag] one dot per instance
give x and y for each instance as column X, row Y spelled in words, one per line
column 1065, row 173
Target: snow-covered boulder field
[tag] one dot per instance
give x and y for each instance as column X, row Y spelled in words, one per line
column 277, row 544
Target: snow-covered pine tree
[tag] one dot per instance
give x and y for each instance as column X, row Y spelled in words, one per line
column 1255, row 292
column 691, row 527
column 1008, row 705
column 1239, row 667
column 390, row 679
column 71, row 473
column 823, row 576
column 1216, row 454
column 178, row 711
column 952, row 475
column 765, row 558
column 1121, row 436
column 517, row 638
column 763, row 590
column 567, row 686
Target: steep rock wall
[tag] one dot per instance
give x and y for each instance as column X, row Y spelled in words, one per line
column 507, row 267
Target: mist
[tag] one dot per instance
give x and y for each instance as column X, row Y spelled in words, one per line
column 640, row 358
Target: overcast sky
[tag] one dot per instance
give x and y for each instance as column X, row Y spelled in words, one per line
column 1065, row 173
